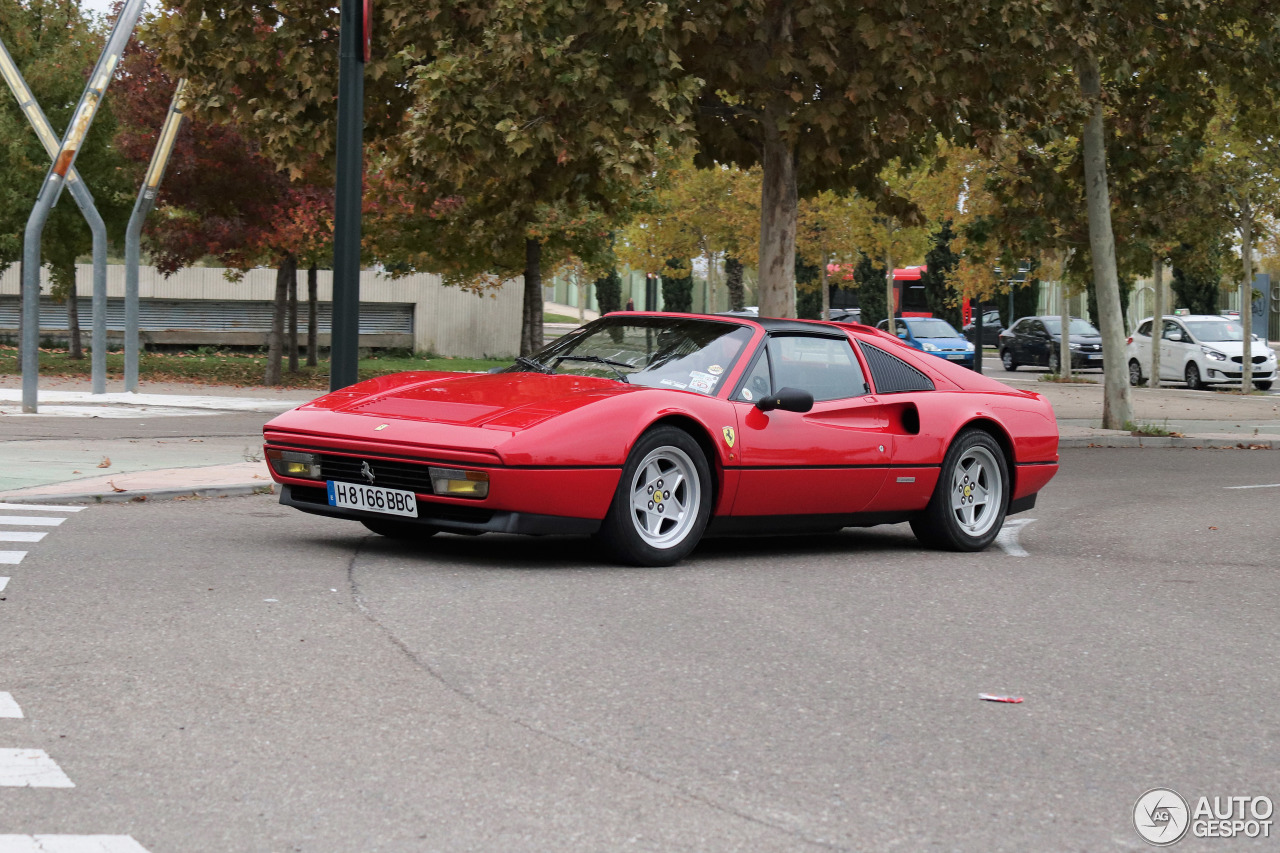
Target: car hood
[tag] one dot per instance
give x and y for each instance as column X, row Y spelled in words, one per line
column 945, row 343
column 1237, row 347
column 1081, row 339
column 481, row 399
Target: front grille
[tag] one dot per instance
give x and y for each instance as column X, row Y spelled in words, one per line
column 1257, row 359
column 386, row 472
column 426, row 510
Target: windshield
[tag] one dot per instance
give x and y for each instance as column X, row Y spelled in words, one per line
column 1215, row 330
column 658, row 352
column 931, row 327
column 1077, row 327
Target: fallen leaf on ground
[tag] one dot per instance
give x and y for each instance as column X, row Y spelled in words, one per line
column 114, row 487
column 105, row 463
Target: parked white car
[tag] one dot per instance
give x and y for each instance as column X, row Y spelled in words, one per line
column 1199, row 349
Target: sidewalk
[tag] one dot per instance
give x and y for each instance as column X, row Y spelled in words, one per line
column 178, row 440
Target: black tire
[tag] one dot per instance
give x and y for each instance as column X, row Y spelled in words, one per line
column 1264, row 385
column 975, row 454
column 1006, row 358
column 1055, row 362
column 1135, row 372
column 1192, row 375
column 665, row 460
column 401, row 530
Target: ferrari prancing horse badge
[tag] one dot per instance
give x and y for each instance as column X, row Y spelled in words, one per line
column 728, row 436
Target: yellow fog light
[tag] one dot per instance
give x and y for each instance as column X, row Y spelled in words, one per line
column 457, row 483
column 291, row 463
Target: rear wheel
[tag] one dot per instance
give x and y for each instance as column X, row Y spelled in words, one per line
column 398, row 529
column 969, row 503
column 1135, row 372
column 663, row 501
column 1006, row 358
column 1192, row 375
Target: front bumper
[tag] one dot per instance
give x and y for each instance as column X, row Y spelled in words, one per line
column 1217, row 371
column 438, row 516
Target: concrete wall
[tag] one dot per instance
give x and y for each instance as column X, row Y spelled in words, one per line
column 447, row 320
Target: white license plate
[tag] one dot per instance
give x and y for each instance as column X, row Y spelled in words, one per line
column 956, row 355
column 1095, row 356
column 372, row 499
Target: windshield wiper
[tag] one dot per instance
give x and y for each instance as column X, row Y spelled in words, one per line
column 533, row 364
column 595, row 359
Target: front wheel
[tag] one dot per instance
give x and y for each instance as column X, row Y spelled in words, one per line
column 1264, row 385
column 1006, row 359
column 663, row 501
column 969, row 503
column 1135, row 372
column 1192, row 375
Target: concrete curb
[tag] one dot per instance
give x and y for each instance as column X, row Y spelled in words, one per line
column 144, row 495
column 1162, row 442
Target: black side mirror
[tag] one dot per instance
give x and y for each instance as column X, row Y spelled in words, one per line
column 787, row 399
column 496, row 369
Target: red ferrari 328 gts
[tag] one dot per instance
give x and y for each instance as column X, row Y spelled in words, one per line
column 651, row 430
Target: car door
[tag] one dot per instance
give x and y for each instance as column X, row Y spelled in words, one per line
column 829, row 461
column 1037, row 344
column 1173, row 350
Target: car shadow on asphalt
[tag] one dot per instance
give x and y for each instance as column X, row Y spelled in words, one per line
column 553, row 553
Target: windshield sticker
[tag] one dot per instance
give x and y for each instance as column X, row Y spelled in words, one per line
column 675, row 384
column 746, row 393
column 716, row 369
column 702, row 382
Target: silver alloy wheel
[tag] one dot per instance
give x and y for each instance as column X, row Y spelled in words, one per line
column 665, row 497
column 977, row 491
column 1135, row 372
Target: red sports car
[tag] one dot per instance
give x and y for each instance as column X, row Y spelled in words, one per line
column 651, row 430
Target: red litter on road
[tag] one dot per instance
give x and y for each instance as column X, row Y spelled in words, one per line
column 1008, row 700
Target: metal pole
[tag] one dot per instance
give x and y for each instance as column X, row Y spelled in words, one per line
column 975, row 306
column 84, row 200
column 133, row 233
column 344, row 353
column 81, row 119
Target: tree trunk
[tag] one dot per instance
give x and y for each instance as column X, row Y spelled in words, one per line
column 1064, row 342
column 75, row 344
column 826, row 287
column 778, row 217
column 293, row 320
column 890, row 308
column 1117, row 403
column 1157, row 321
column 1246, row 296
column 275, row 338
column 733, row 282
column 531, row 328
column 313, row 322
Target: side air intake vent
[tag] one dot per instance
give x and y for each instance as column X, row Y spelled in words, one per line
column 891, row 374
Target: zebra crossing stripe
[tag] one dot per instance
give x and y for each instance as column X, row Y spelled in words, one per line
column 9, row 708
column 41, row 507
column 21, row 535
column 33, row 520
column 11, row 558
column 3, row 583
column 70, row 844
column 30, row 768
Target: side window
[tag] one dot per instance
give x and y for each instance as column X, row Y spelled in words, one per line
column 1145, row 329
column 892, row 374
column 1022, row 327
column 825, row 367
column 1038, row 328
column 1172, row 331
column 756, row 383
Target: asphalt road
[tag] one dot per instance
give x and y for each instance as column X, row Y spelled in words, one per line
column 230, row 675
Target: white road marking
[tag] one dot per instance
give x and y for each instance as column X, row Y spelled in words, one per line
column 35, row 521
column 21, row 535
column 1267, row 486
column 1007, row 538
column 70, row 844
column 8, row 708
column 3, row 583
column 30, row 768
column 42, row 507
column 11, row 558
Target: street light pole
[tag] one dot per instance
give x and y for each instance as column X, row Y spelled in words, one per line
column 344, row 332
